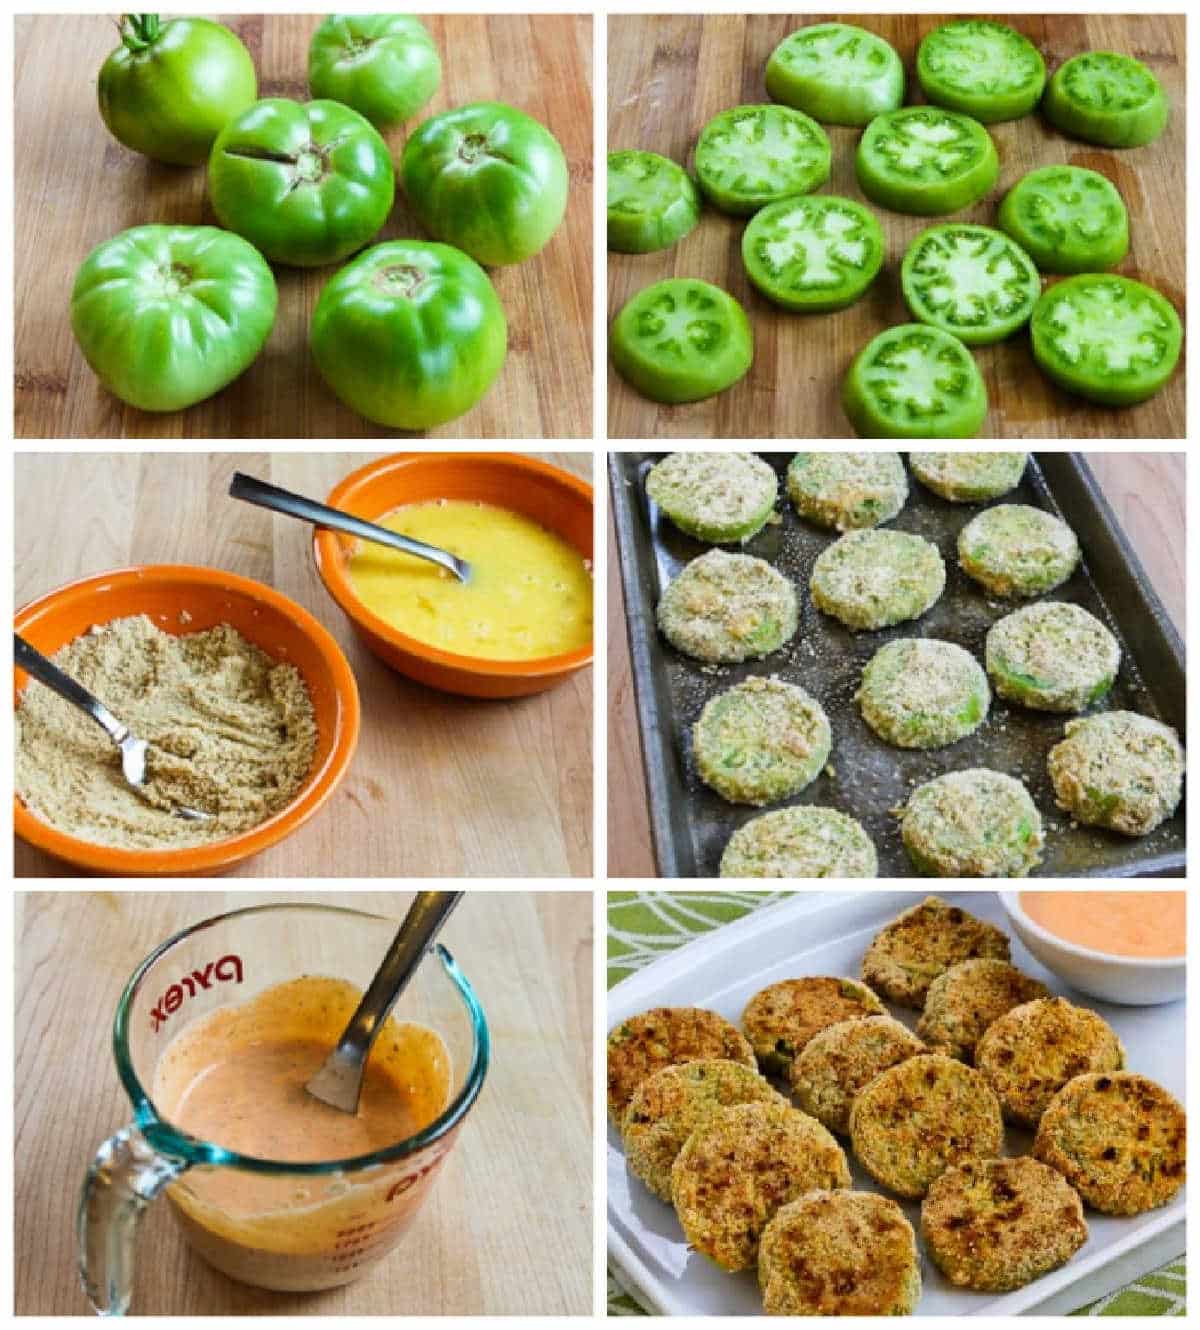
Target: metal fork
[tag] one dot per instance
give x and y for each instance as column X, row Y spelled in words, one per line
column 133, row 749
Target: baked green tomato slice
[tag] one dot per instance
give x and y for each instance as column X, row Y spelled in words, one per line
column 981, row 68
column 926, row 160
column 1106, row 337
column 813, row 253
column 307, row 184
column 652, row 202
column 487, row 178
column 168, row 315
column 170, row 88
column 972, row 281
column 410, row 334
column 914, row 382
column 1068, row 219
column 1106, row 98
column 838, row 73
column 384, row 66
column 681, row 340
column 750, row 156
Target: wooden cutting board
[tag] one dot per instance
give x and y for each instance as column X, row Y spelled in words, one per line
column 669, row 75
column 507, row 1228
column 1148, row 493
column 76, row 186
column 439, row 785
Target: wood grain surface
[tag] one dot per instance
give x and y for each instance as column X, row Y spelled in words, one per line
column 507, row 1228
column 76, row 186
column 668, row 76
column 440, row 785
column 1148, row 493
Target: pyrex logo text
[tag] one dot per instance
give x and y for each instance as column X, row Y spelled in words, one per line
column 228, row 967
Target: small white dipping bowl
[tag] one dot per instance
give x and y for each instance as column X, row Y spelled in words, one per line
column 1133, row 981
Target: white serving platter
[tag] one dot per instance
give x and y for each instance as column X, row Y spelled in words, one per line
column 827, row 933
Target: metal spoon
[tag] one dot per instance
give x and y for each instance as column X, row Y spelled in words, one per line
column 339, row 1082
column 133, row 749
column 320, row 514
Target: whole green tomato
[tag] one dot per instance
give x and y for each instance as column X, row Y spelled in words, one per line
column 307, row 184
column 487, row 178
column 385, row 66
column 168, row 315
column 411, row 334
column 170, row 88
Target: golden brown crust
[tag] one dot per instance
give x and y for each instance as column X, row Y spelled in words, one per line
column 839, row 1061
column 1119, row 1139
column 1032, row 1051
column 998, row 1224
column 672, row 1103
column 737, row 1170
column 839, row 1253
column 908, row 955
column 663, row 1037
column 780, row 1019
column 921, row 1117
column 963, row 1002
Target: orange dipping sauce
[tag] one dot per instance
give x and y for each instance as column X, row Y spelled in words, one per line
column 1149, row 924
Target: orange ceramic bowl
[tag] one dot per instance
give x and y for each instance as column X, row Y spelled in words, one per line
column 182, row 598
column 555, row 499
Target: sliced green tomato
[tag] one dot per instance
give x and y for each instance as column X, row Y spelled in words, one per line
column 1105, row 337
column 837, row 73
column 924, row 160
column 681, row 340
column 652, row 202
column 813, row 253
column 754, row 155
column 981, row 68
column 1105, row 98
column 914, row 382
column 1068, row 219
column 969, row 280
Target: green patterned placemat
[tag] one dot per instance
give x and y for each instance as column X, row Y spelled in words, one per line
column 644, row 925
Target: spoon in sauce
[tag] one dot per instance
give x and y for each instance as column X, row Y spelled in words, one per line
column 284, row 501
column 339, row 1081
column 133, row 750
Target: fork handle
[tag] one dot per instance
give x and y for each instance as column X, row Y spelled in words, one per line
column 252, row 490
column 31, row 660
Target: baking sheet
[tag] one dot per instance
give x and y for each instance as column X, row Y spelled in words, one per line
column 827, row 933
column 691, row 824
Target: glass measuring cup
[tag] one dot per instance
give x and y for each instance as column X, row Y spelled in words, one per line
column 286, row 1226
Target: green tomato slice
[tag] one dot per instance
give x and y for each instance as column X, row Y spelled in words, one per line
column 1068, row 219
column 1105, row 337
column 750, row 156
column 411, row 334
column 837, row 73
column 681, row 340
column 981, row 68
column 652, row 202
column 925, row 160
column 914, row 382
column 969, row 280
column 1106, row 98
column 168, row 315
column 813, row 253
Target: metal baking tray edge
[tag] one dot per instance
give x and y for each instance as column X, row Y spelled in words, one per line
column 1114, row 565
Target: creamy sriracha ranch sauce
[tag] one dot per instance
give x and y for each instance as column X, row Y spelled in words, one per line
column 1149, row 924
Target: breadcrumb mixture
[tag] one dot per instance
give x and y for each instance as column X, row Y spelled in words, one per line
column 231, row 732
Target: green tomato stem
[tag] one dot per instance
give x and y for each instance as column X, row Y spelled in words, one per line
column 139, row 31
